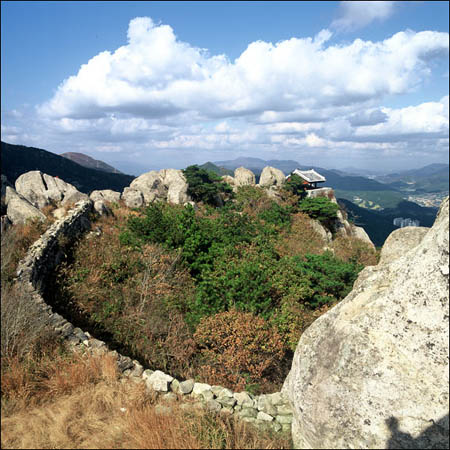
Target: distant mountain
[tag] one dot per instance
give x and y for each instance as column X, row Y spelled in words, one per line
column 216, row 169
column 18, row 159
column 90, row 163
column 428, row 179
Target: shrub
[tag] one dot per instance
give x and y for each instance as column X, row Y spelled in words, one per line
column 296, row 185
column 320, row 208
column 238, row 349
column 240, row 279
column 206, row 186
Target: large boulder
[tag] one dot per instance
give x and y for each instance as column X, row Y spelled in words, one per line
column 360, row 233
column 151, row 186
column 176, row 185
column 41, row 189
column 270, row 176
column 244, row 177
column 19, row 209
column 168, row 184
column 105, row 195
column 373, row 372
column 398, row 240
column 133, row 198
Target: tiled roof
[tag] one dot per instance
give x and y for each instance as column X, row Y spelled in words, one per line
column 311, row 176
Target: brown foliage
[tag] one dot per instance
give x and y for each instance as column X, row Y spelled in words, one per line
column 352, row 249
column 238, row 349
column 301, row 238
column 138, row 296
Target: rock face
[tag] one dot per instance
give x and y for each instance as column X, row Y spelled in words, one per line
column 373, row 372
column 41, row 189
column 272, row 177
column 106, row 195
column 168, row 184
column 398, row 240
column 341, row 225
column 244, row 177
column 19, row 209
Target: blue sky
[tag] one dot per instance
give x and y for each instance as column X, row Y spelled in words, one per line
column 148, row 85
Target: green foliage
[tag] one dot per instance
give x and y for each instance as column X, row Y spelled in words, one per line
column 296, row 185
column 320, row 208
column 206, row 186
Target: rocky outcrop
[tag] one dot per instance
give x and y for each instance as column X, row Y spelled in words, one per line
column 341, row 225
column 19, row 209
column 399, row 240
column 244, row 177
column 105, row 195
column 373, row 371
column 271, row 177
column 166, row 185
column 41, row 190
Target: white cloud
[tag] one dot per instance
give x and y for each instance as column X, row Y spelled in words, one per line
column 156, row 98
column 155, row 76
column 358, row 14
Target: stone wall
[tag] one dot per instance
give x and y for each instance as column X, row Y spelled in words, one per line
column 266, row 411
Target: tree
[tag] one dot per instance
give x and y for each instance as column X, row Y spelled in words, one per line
column 320, row 208
column 206, row 186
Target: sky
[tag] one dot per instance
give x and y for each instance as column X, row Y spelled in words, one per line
column 151, row 85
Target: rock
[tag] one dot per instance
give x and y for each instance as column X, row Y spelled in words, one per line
column 244, row 177
column 284, row 419
column 360, row 233
column 159, row 381
column 200, row 388
column 5, row 223
column 106, row 195
column 167, row 185
column 186, row 387
column 176, row 185
column 398, row 240
column 244, row 399
column 133, row 198
column 321, row 230
column 247, row 412
column 213, row 405
column 229, row 179
column 373, row 371
column 19, row 209
column 101, row 208
column 264, row 417
column 263, row 404
column 150, row 185
column 271, row 177
column 41, row 189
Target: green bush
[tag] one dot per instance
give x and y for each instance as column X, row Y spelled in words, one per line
column 320, row 208
column 296, row 185
column 206, row 186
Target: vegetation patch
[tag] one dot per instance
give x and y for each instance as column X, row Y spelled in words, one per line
column 221, row 294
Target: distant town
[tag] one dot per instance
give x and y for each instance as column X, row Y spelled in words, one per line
column 430, row 199
column 407, row 222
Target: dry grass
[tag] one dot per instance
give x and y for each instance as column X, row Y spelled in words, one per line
column 301, row 239
column 80, row 403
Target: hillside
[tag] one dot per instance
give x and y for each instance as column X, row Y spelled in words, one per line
column 19, row 159
column 90, row 163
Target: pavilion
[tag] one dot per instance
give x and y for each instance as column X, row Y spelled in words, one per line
column 311, row 177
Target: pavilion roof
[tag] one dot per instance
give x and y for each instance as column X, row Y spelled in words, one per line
column 311, row 176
